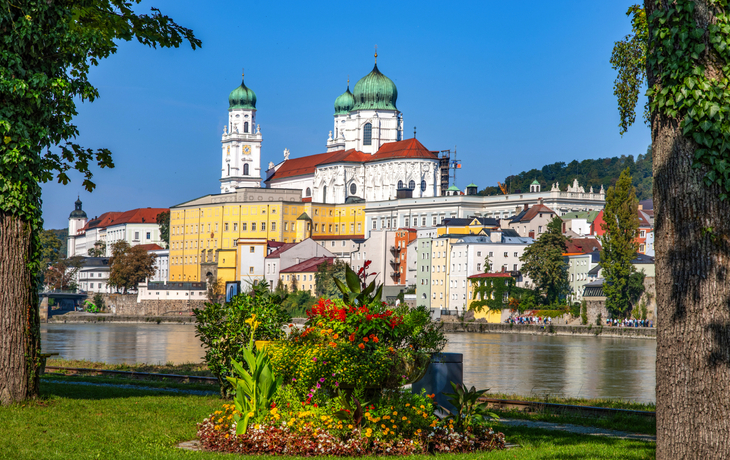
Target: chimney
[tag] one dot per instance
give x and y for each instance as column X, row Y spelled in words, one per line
column 539, row 200
column 518, row 209
column 525, row 207
column 496, row 236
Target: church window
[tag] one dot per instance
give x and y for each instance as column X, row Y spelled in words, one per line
column 308, row 192
column 353, row 189
column 412, row 185
column 367, row 135
column 324, row 194
column 229, row 170
column 423, row 185
column 245, row 127
column 400, row 184
column 245, row 169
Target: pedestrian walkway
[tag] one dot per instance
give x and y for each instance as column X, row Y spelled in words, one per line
column 578, row 429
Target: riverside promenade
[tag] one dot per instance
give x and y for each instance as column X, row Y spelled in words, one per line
column 563, row 330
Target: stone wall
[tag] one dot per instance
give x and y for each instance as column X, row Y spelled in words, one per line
column 591, row 329
column 127, row 305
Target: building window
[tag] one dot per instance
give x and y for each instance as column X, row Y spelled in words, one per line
column 273, row 226
column 353, row 189
column 245, row 127
column 245, row 169
column 225, row 227
column 250, row 270
column 515, row 254
column 505, row 254
column 407, row 221
column 400, row 184
column 308, row 192
column 149, row 235
column 235, row 227
column 263, row 226
column 253, row 226
column 136, row 235
column 423, row 222
column 251, row 249
column 324, row 194
column 244, row 226
column 367, row 134
column 423, row 187
column 412, row 185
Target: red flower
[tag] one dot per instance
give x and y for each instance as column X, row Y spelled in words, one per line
column 365, row 339
column 352, row 337
column 362, row 346
column 375, row 339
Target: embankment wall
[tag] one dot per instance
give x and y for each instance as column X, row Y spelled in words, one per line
column 590, row 330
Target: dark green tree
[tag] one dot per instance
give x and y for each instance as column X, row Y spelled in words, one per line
column 99, row 249
column 324, row 279
column 47, row 50
column 163, row 220
column 543, row 262
column 50, row 248
column 621, row 224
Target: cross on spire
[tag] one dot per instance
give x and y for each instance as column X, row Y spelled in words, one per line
column 376, row 54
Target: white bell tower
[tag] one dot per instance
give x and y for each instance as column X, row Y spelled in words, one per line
column 241, row 142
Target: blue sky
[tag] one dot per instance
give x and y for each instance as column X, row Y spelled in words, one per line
column 512, row 87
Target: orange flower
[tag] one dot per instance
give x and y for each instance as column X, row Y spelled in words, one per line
column 362, row 346
column 433, row 395
column 365, row 339
column 391, row 349
column 352, row 337
column 332, row 344
column 375, row 339
column 336, row 336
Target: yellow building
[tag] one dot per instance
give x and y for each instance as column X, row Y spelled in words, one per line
column 441, row 269
column 205, row 232
column 466, row 226
column 303, row 275
column 476, row 294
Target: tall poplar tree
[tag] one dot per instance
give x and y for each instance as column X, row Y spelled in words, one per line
column 621, row 227
column 687, row 69
column 46, row 50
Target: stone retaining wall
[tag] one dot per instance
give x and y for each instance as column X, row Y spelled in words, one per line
column 106, row 318
column 603, row 331
column 127, row 305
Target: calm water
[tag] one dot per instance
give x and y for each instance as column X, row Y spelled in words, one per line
column 590, row 367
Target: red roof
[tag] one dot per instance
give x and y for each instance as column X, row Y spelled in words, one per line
column 151, row 247
column 135, row 216
column 309, row 265
column 307, row 199
column 491, row 275
column 409, row 148
column 283, row 248
column 534, row 210
column 582, row 245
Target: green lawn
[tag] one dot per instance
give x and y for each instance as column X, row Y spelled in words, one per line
column 87, row 422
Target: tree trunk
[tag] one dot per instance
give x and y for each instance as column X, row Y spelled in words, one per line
column 19, row 321
column 693, row 296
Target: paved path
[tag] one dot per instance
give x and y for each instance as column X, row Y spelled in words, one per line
column 579, row 429
column 133, row 387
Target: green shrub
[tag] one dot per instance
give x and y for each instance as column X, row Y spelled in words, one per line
column 223, row 331
column 584, row 312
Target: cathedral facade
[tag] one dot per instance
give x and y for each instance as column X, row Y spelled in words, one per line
column 366, row 157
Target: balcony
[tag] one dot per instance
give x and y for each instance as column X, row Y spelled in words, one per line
column 395, row 250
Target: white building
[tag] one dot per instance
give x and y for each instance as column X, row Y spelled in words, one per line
column 93, row 276
column 138, row 226
column 162, row 262
column 289, row 255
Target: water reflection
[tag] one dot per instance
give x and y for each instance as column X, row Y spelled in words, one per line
column 590, row 367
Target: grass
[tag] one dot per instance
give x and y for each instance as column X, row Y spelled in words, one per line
column 86, row 422
column 197, row 369
column 620, row 422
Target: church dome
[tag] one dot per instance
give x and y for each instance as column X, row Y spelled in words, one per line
column 344, row 102
column 242, row 98
column 77, row 212
column 375, row 91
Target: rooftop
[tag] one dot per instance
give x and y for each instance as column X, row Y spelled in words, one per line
column 309, row 265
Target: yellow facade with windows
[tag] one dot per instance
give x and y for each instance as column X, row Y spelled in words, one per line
column 466, row 226
column 204, row 232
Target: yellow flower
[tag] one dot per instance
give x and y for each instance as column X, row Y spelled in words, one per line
column 367, row 414
column 250, row 414
column 383, row 426
column 367, row 434
column 422, row 406
column 408, row 405
column 404, row 418
column 395, row 426
column 395, row 412
column 349, row 427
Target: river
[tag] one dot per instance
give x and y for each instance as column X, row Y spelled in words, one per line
column 568, row 366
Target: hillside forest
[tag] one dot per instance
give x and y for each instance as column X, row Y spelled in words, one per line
column 590, row 173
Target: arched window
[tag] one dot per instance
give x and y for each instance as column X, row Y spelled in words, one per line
column 245, row 169
column 367, row 134
column 412, row 185
column 400, row 184
column 353, row 188
column 308, row 192
column 245, row 127
column 423, row 185
column 324, row 194
column 229, row 170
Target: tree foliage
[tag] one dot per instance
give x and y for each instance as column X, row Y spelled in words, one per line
column 50, row 248
column 163, row 220
column 130, row 265
column 99, row 249
column 621, row 227
column 61, row 275
column 590, row 173
column 543, row 262
column 629, row 59
column 324, row 279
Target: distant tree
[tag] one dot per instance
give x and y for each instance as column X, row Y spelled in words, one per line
column 294, row 284
column 61, row 276
column 129, row 266
column 50, row 248
column 543, row 262
column 163, row 220
column 324, row 279
column 99, row 249
column 214, row 289
column 621, row 227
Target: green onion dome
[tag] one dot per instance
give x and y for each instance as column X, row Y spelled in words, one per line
column 77, row 212
column 242, row 97
column 375, row 91
column 344, row 102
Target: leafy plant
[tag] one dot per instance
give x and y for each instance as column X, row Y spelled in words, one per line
column 469, row 410
column 254, row 390
column 352, row 413
column 358, row 291
column 223, row 331
column 584, row 312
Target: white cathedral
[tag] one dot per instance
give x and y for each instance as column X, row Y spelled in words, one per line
column 366, row 158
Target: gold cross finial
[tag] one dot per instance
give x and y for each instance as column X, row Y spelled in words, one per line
column 376, row 54
column 242, row 72
column 348, row 81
